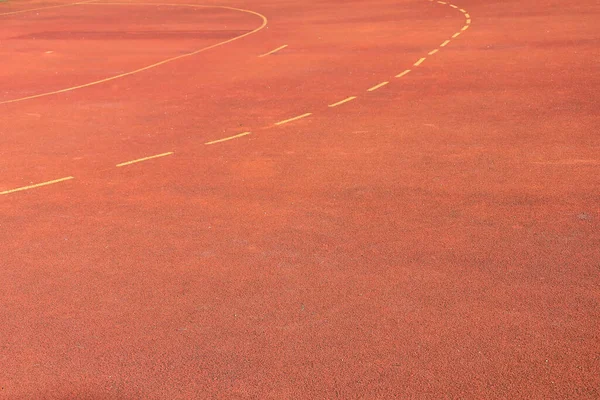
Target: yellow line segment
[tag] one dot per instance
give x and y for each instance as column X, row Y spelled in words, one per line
column 144, row 159
column 445, row 43
column 37, row 185
column 168, row 60
column 419, row 62
column 285, row 121
column 377, row 86
column 455, row 35
column 228, row 138
column 432, row 52
column 401, row 74
column 343, row 101
column 274, row 51
column 46, row 8
column 464, row 28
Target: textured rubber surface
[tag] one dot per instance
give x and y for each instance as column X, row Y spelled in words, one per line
column 437, row 237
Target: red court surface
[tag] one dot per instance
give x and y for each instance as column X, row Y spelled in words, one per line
column 401, row 201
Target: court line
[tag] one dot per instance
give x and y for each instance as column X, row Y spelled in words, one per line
column 382, row 84
column 46, row 8
column 229, row 138
column 285, row 121
column 157, row 64
column 144, row 159
column 401, row 74
column 432, row 52
column 37, row 185
column 421, row 60
column 274, row 51
column 339, row 103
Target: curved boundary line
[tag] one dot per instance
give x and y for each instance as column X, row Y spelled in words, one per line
column 157, row 64
column 46, row 8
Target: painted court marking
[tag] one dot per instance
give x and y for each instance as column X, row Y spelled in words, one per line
column 401, row 74
column 264, row 19
column 346, row 100
column 285, row 121
column 380, row 85
column 229, row 138
column 144, row 159
column 37, row 185
column 46, row 8
column 274, row 51
column 157, row 64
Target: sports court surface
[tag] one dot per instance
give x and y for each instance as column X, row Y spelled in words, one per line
column 283, row 199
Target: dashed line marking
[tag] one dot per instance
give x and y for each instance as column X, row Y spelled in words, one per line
column 274, row 51
column 285, row 121
column 37, row 185
column 379, row 85
column 346, row 100
column 229, row 138
column 144, row 159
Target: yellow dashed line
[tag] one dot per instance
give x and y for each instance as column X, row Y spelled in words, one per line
column 339, row 103
column 229, row 138
column 382, row 84
column 37, row 185
column 285, row 121
column 274, row 51
column 144, row 159
column 346, row 100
